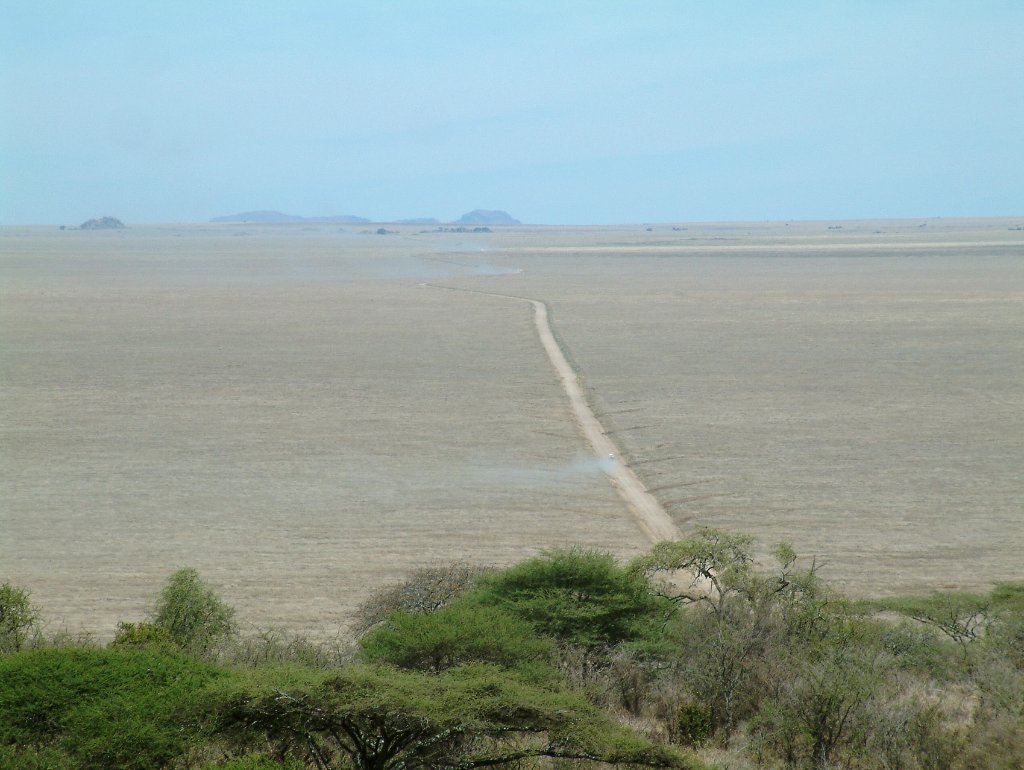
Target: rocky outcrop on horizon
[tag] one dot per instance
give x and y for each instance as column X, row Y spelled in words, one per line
column 486, row 217
column 103, row 223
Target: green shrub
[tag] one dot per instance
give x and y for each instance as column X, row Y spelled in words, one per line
column 18, row 617
column 143, row 635
column 194, row 616
column 693, row 724
column 917, row 648
column 278, row 645
column 121, row 708
column 935, row 744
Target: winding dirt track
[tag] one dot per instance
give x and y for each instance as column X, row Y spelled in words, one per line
column 651, row 517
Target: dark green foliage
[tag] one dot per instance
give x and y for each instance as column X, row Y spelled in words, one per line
column 693, row 724
column 192, row 613
column 103, row 708
column 578, row 597
column 376, row 718
column 18, row 617
column 463, row 632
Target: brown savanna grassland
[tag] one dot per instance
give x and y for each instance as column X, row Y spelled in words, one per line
column 289, row 409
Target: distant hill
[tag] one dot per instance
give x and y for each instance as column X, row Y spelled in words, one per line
column 103, row 223
column 485, row 217
column 276, row 217
column 348, row 219
column 475, row 217
column 259, row 216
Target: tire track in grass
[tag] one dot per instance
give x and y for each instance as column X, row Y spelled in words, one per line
column 652, row 518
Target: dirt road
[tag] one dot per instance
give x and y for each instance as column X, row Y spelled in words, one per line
column 651, row 517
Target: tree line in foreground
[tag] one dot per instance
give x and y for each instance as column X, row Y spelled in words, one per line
column 690, row 656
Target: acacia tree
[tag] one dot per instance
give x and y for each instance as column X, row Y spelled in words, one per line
column 578, row 597
column 717, row 563
column 961, row 617
column 462, row 632
column 378, row 718
column 739, row 619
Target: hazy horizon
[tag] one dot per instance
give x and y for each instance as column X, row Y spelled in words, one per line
column 952, row 221
column 569, row 113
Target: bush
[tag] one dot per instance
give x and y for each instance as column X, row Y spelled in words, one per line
column 18, row 617
column 194, row 616
column 278, row 645
column 818, row 709
column 143, row 636
column 916, row 648
column 425, row 590
column 693, row 724
column 119, row 708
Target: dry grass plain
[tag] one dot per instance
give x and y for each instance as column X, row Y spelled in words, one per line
column 290, row 411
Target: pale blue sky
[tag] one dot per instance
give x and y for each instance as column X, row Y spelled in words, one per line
column 559, row 112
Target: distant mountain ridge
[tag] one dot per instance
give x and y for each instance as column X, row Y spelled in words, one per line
column 276, row 217
column 474, row 217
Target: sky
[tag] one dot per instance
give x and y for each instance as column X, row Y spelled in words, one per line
column 558, row 112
